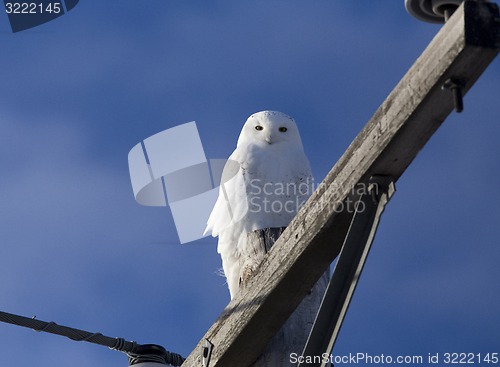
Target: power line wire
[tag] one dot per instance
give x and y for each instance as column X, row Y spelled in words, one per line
column 132, row 349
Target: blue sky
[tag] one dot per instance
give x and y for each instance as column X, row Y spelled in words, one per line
column 79, row 92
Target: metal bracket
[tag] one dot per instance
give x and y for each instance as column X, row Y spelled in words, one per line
column 456, row 89
column 207, row 352
column 351, row 260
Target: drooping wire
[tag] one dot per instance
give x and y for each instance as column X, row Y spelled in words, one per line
column 132, row 349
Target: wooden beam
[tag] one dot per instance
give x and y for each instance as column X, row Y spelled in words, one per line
column 398, row 130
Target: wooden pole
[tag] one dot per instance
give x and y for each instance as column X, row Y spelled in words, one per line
column 292, row 336
column 389, row 142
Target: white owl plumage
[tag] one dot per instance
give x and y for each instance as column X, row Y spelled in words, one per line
column 265, row 181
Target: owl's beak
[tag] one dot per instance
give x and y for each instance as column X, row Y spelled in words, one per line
column 268, row 139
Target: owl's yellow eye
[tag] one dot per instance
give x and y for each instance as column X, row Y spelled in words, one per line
column 259, row 128
column 282, row 129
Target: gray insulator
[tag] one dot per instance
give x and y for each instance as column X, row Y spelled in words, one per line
column 432, row 11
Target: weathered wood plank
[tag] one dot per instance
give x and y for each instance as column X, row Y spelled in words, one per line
column 389, row 142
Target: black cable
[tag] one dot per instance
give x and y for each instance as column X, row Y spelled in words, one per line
column 132, row 349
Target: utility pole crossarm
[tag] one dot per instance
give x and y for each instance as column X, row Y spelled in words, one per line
column 389, row 142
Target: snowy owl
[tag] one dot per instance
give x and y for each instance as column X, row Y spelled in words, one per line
column 265, row 181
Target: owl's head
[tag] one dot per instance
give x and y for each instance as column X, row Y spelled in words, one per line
column 270, row 129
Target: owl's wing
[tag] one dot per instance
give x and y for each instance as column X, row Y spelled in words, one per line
column 304, row 180
column 231, row 205
column 226, row 222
